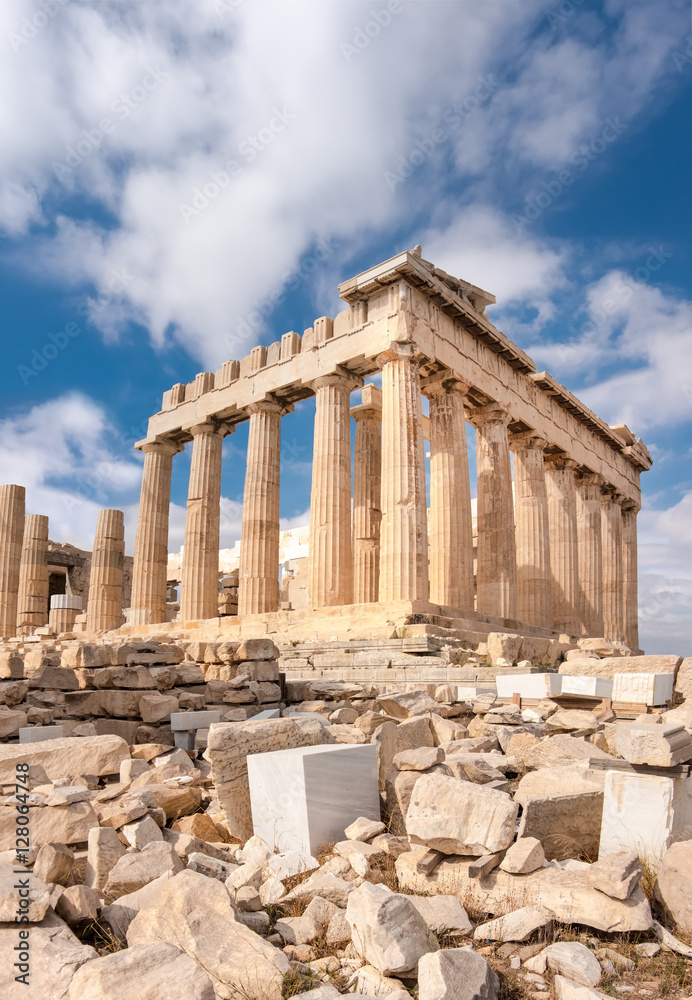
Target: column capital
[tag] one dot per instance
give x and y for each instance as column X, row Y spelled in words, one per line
column 443, row 383
column 209, row 427
column 561, row 462
column 399, row 351
column 586, row 477
column 269, row 405
column 371, row 406
column 489, row 413
column 341, row 378
column 611, row 493
column 630, row 506
column 527, row 441
column 162, row 447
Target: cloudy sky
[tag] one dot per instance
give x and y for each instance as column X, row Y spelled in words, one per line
column 182, row 180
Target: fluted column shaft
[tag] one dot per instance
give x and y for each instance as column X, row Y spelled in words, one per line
column 259, row 545
column 404, row 531
column 497, row 560
column 330, row 564
column 629, row 574
column 564, row 551
column 534, row 599
column 590, row 558
column 105, row 604
column 451, row 526
column 32, row 605
column 12, row 501
column 200, row 570
column 148, row 601
column 611, row 551
column 367, row 480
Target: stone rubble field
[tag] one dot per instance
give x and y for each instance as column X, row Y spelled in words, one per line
column 474, row 871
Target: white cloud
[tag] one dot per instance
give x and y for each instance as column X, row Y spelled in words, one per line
column 186, row 88
column 635, row 351
column 665, row 578
column 62, row 452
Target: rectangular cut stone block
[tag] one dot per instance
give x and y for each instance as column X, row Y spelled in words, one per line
column 646, row 689
column 185, row 740
column 66, row 758
column 587, row 687
column 304, row 798
column 187, row 721
column 37, row 734
column 660, row 746
column 528, row 685
column 645, row 813
column 268, row 713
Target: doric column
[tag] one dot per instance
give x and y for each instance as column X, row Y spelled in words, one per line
column 200, row 570
column 564, row 551
column 259, row 543
column 105, row 603
column 12, row 500
column 611, row 562
column 148, row 601
column 534, row 604
column 330, row 564
column 32, row 605
column 630, row 509
column 451, row 526
column 496, row 575
column 367, row 479
column 404, row 531
column 590, row 560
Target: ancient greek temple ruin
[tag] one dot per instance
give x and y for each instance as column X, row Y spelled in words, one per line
column 556, row 537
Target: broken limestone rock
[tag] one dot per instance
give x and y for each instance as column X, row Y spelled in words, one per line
column 386, row 929
column 408, row 704
column 156, row 971
column 195, row 913
column 457, row 817
column 443, row 914
column 55, row 956
column 565, row 989
column 616, row 875
column 68, row 824
column 456, row 974
column 516, row 926
column 78, row 904
column 104, row 850
column 364, row 829
column 572, row 960
column 67, row 757
column 654, row 744
column 54, row 863
column 419, row 759
column 134, row 871
column 29, row 907
column 674, row 885
column 523, row 857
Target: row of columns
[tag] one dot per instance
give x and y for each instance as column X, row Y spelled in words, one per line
column 24, row 568
column 554, row 555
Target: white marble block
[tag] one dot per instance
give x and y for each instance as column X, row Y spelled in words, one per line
column 587, row 687
column 37, row 734
column 528, row 685
column 645, row 813
column 645, row 689
column 267, row 713
column 304, row 798
column 183, row 722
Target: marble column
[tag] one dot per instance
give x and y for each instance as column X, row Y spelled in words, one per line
column 32, row 605
column 367, row 480
column 630, row 509
column 611, row 552
column 451, row 526
column 200, row 571
column 496, row 575
column 12, row 501
column 259, row 545
column 534, row 598
column 404, row 530
column 105, row 603
column 330, row 563
column 590, row 558
column 564, row 549
column 148, row 602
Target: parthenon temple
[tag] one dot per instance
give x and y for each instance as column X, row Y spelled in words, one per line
column 556, row 546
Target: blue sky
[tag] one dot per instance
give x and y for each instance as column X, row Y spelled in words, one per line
column 540, row 151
